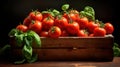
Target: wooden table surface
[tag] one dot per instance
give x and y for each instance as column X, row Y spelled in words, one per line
column 114, row 63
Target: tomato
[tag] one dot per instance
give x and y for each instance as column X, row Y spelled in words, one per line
column 35, row 26
column 91, row 26
column 61, row 22
column 64, row 33
column 27, row 21
column 22, row 28
column 54, row 32
column 43, row 34
column 83, row 22
column 45, row 15
column 74, row 11
column 36, row 15
column 109, row 28
column 73, row 28
column 91, row 35
column 82, row 33
column 47, row 23
column 71, row 16
column 99, row 31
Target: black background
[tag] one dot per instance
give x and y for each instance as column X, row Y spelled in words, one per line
column 12, row 12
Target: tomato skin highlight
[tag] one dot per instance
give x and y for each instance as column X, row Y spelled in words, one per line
column 22, row 28
column 54, row 32
column 109, row 28
column 35, row 26
column 99, row 32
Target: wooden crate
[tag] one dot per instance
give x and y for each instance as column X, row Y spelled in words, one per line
column 73, row 48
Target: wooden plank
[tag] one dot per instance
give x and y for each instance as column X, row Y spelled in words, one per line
column 73, row 42
column 71, row 54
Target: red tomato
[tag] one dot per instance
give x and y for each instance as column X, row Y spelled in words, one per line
column 61, row 22
column 36, row 15
column 71, row 16
column 22, row 28
column 47, row 23
column 73, row 28
column 74, row 11
column 35, row 26
column 82, row 33
column 83, row 22
column 91, row 26
column 45, row 15
column 27, row 21
column 44, row 34
column 109, row 28
column 91, row 35
column 99, row 31
column 54, row 32
column 64, row 33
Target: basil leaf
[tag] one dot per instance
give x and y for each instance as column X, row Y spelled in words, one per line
column 28, row 40
column 36, row 38
column 33, row 58
column 116, row 50
column 65, row 7
column 13, row 33
column 55, row 12
column 4, row 48
column 88, row 15
column 19, row 39
column 90, row 10
column 19, row 62
column 27, row 51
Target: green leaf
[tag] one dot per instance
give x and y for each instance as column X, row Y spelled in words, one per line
column 4, row 48
column 27, row 52
column 33, row 58
column 19, row 39
column 19, row 62
column 36, row 37
column 116, row 50
column 28, row 40
column 55, row 12
column 88, row 15
column 90, row 10
column 65, row 7
column 14, row 32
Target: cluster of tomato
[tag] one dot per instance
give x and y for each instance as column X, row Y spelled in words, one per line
column 65, row 24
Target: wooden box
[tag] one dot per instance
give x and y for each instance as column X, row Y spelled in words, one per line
column 73, row 48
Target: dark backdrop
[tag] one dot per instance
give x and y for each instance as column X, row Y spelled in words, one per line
column 12, row 12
